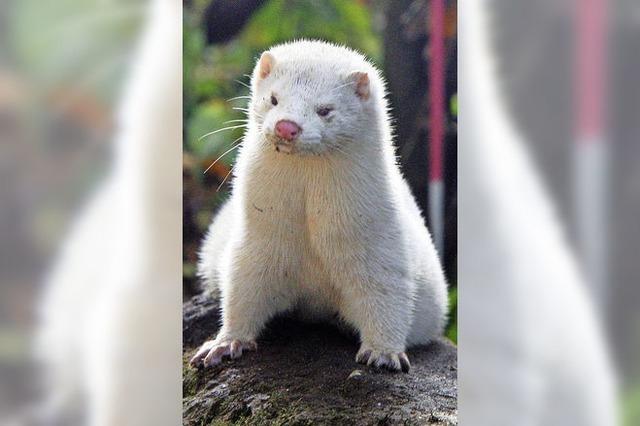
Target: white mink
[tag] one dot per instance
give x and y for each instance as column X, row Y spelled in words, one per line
column 320, row 220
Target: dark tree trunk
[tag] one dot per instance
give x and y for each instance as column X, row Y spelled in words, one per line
column 224, row 19
column 406, row 69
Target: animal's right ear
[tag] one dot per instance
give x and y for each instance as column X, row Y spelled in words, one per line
column 361, row 82
column 266, row 64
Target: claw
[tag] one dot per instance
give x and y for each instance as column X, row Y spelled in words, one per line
column 202, row 352
column 236, row 350
column 211, row 353
column 363, row 357
column 404, row 362
column 384, row 360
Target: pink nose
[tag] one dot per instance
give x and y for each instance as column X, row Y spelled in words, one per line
column 287, row 130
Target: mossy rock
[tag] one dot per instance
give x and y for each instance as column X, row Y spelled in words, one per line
column 306, row 374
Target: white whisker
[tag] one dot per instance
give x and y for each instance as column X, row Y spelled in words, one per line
column 223, row 154
column 220, row 130
column 239, row 120
column 238, row 97
column 342, row 85
column 243, row 83
column 225, row 179
column 247, row 111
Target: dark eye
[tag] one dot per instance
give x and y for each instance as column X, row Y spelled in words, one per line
column 274, row 101
column 324, row 111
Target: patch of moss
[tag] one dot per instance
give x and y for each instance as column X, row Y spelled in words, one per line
column 190, row 377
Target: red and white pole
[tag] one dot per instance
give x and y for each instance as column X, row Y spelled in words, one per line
column 590, row 167
column 437, row 63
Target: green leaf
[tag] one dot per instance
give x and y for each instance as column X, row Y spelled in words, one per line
column 452, row 328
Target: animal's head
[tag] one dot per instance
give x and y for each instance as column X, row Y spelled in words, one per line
column 311, row 97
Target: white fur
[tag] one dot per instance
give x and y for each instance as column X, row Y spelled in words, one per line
column 333, row 227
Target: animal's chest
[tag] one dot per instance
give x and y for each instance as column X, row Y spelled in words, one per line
column 302, row 204
column 306, row 226
column 283, row 225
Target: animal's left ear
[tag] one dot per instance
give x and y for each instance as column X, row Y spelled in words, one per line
column 361, row 84
column 266, row 63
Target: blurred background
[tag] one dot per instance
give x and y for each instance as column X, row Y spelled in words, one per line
column 74, row 196
column 550, row 97
column 62, row 65
column 223, row 39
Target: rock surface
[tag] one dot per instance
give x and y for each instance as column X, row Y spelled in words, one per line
column 306, row 374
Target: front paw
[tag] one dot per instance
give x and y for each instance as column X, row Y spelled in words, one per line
column 212, row 351
column 393, row 361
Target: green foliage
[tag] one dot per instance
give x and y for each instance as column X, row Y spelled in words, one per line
column 81, row 43
column 345, row 22
column 453, row 105
column 631, row 407
column 452, row 328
